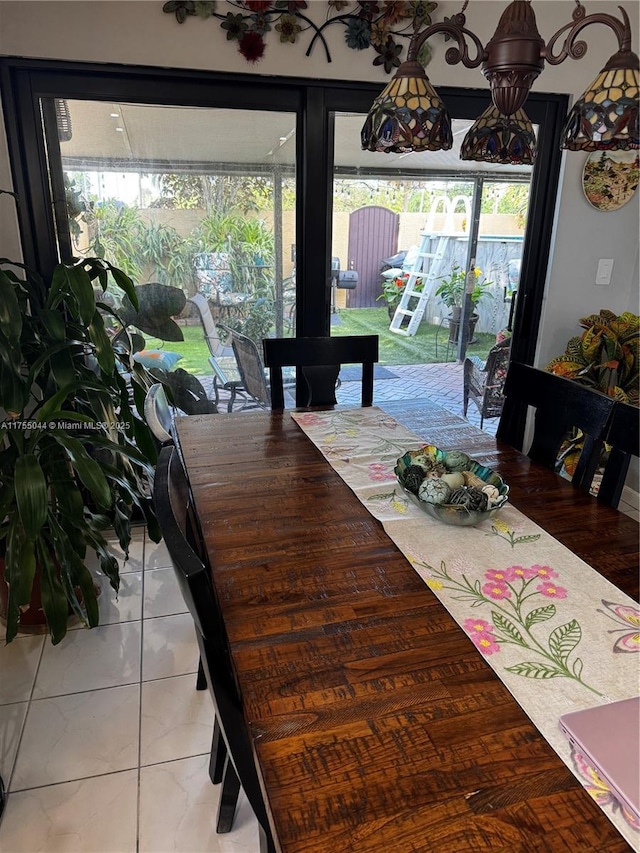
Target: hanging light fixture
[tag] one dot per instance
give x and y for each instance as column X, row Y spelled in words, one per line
column 410, row 116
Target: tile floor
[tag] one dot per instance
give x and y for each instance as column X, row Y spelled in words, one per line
column 104, row 740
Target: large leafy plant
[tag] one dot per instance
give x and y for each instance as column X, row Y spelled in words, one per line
column 605, row 356
column 75, row 452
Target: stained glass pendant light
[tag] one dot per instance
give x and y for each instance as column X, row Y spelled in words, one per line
column 497, row 138
column 408, row 116
column 606, row 116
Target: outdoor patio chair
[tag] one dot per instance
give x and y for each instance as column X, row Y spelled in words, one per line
column 220, row 379
column 623, row 436
column 561, row 405
column 251, row 368
column 181, row 532
column 484, row 381
column 319, row 360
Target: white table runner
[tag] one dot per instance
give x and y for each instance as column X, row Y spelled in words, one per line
column 559, row 635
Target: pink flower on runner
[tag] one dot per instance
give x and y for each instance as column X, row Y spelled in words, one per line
column 308, row 419
column 551, row 590
column 496, row 590
column 379, row 471
column 485, row 643
column 544, row 571
column 477, row 626
column 497, row 575
column 514, row 573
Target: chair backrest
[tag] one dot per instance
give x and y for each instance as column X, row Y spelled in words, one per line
column 497, row 360
column 187, row 391
column 211, row 336
column 624, row 438
column 158, row 414
column 320, row 360
column 561, row 404
column 250, row 368
column 176, row 517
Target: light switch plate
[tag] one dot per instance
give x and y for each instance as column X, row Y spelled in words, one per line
column 603, row 274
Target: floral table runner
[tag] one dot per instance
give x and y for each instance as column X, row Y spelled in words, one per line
column 558, row 634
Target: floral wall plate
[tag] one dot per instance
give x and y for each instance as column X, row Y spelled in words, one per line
column 610, row 178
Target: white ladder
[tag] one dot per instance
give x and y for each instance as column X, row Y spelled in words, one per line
column 426, row 268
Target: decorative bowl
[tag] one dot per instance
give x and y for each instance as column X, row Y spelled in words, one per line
column 452, row 513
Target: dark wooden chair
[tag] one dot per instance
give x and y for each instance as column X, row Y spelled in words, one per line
column 181, row 532
column 623, row 436
column 561, row 405
column 483, row 383
column 320, row 360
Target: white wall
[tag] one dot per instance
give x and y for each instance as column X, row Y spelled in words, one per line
column 138, row 32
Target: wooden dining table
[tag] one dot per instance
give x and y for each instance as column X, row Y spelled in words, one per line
column 377, row 726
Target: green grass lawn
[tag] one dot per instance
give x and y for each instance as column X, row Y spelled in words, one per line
column 394, row 349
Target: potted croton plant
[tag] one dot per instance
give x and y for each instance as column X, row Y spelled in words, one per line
column 75, row 452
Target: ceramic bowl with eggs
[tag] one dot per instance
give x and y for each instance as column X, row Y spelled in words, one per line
column 450, row 486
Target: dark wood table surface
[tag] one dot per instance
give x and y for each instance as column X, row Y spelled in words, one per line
column 378, row 728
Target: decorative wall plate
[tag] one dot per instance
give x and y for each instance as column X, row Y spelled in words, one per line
column 610, row 178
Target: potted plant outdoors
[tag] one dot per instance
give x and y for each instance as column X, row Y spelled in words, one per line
column 392, row 289
column 452, row 291
column 76, row 454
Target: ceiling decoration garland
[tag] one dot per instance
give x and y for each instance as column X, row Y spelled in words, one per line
column 367, row 24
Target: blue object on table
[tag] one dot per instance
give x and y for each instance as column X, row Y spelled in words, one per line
column 164, row 359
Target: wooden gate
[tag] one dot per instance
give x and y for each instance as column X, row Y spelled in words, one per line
column 373, row 236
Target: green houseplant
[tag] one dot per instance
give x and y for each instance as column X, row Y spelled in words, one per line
column 75, row 452
column 452, row 292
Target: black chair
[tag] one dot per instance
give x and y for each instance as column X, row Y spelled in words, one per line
column 320, row 360
column 181, row 532
column 561, row 405
column 623, row 436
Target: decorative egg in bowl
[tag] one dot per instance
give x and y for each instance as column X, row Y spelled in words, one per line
column 450, row 486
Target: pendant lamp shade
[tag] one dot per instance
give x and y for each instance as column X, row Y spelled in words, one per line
column 606, row 116
column 496, row 138
column 408, row 116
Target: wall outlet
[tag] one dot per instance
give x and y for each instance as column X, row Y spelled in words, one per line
column 603, row 274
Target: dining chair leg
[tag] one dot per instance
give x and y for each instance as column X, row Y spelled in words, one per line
column 218, row 754
column 201, row 678
column 228, row 797
column 266, row 841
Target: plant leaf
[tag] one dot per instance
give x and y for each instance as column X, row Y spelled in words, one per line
column 104, row 350
column 541, row 614
column 10, row 314
column 564, row 640
column 54, row 600
column 531, row 669
column 31, row 494
column 506, row 626
column 88, row 469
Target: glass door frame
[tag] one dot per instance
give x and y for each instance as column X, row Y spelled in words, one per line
column 24, row 82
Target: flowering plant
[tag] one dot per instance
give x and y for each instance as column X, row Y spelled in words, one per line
column 393, row 288
column 453, row 287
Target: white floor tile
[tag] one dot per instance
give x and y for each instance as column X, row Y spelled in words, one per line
column 92, row 816
column 156, row 555
column 11, row 722
column 162, row 596
column 169, row 647
column 90, row 659
column 177, row 720
column 80, row 735
column 18, row 665
column 187, row 819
